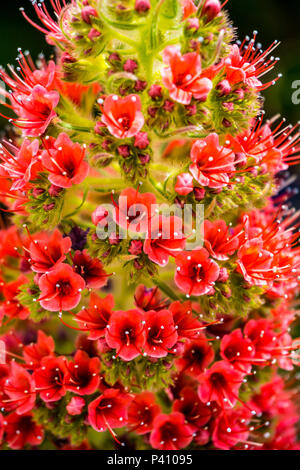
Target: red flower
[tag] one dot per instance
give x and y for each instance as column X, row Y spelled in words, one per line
column 60, row 289
column 109, row 411
column 196, row 413
column 35, row 110
column 11, row 306
column 184, row 184
column 50, row 378
column 22, row 164
column 20, row 388
column 212, row 163
column 161, row 334
column 164, row 239
column 22, row 430
column 186, row 324
column 65, row 162
column 260, row 332
column 196, row 272
column 170, row 432
column 91, row 269
column 126, row 333
column 135, row 210
column 149, row 298
column 239, row 351
column 142, row 412
column 218, row 241
column 182, row 76
column 248, row 64
column 230, row 428
column 123, row 116
column 47, row 252
column 33, row 353
column 82, row 375
column 196, row 357
column 96, row 318
column 254, row 263
column 220, row 383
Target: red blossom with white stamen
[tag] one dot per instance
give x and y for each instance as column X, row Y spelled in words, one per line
column 182, row 76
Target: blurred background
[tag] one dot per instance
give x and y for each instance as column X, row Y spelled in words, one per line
column 273, row 19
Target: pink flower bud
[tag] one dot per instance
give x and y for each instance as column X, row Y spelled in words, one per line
column 168, row 106
column 66, row 58
column 155, row 92
column 93, row 34
column 223, row 275
column 54, row 191
column 184, row 184
column 124, row 151
column 130, row 66
column 141, row 140
column 38, row 191
column 136, row 247
column 144, row 159
column 49, row 207
column 228, row 106
column 239, row 94
column 87, row 13
column 226, row 123
column 140, row 85
column 211, row 9
column 114, row 57
column 193, row 23
column 224, row 87
column 142, row 6
column 199, row 194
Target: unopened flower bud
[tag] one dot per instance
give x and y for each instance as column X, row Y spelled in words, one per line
column 226, row 123
column 240, row 94
column 37, row 192
column 199, row 194
column 144, row 159
column 136, row 247
column 168, row 106
column 184, row 184
column 224, row 87
column 140, row 85
column 211, row 9
column 130, row 66
column 66, row 58
column 141, row 140
column 114, row 57
column 193, row 23
column 88, row 12
column 124, row 151
column 223, row 275
column 54, row 191
column 142, row 6
column 49, row 207
column 155, row 92
column 93, row 34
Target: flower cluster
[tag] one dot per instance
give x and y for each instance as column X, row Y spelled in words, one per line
column 111, row 317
